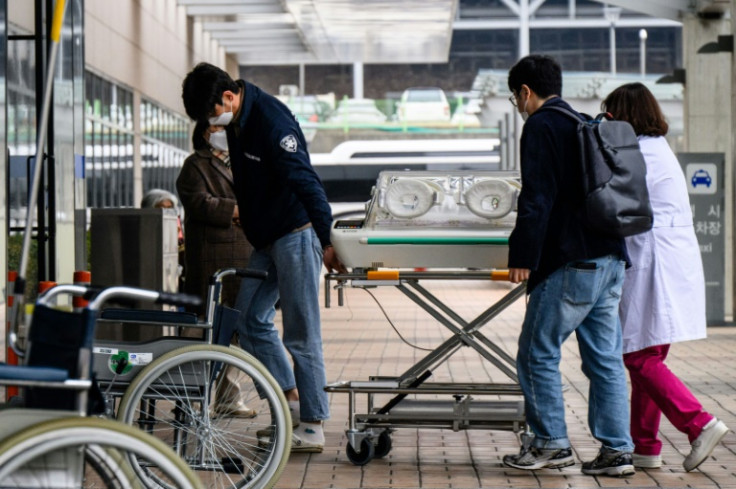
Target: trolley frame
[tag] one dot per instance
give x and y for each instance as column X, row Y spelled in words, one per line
column 369, row 432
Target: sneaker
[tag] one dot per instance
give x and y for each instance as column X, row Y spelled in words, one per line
column 610, row 462
column 646, row 461
column 704, row 444
column 233, row 410
column 533, row 458
column 300, row 445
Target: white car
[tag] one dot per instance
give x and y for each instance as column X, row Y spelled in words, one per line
column 423, row 105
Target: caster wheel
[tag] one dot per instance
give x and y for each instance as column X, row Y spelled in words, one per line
column 384, row 444
column 365, row 455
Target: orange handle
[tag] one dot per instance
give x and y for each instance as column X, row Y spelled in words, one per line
column 500, row 275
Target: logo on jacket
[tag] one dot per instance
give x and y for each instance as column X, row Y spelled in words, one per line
column 289, row 143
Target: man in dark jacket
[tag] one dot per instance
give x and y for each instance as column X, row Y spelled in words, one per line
column 286, row 217
column 574, row 278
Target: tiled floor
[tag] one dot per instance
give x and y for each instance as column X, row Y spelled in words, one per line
column 359, row 342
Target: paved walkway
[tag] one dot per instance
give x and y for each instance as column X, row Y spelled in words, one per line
column 360, row 342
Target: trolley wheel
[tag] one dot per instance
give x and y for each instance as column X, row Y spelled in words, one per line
column 362, row 457
column 384, row 444
column 172, row 398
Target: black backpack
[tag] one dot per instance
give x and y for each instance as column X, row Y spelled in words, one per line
column 614, row 176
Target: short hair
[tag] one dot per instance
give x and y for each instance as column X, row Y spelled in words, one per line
column 541, row 73
column 156, row 196
column 635, row 104
column 202, row 89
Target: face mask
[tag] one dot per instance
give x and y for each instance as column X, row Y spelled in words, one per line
column 222, row 119
column 524, row 113
column 218, row 140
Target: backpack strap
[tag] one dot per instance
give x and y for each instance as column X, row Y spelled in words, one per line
column 563, row 110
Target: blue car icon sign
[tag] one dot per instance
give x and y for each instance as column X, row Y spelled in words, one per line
column 701, row 177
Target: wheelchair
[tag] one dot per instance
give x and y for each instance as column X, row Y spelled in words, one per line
column 170, row 387
column 166, row 388
column 52, row 442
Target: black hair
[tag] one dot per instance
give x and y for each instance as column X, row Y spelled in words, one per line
column 541, row 73
column 198, row 139
column 202, row 89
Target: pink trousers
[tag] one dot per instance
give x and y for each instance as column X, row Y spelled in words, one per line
column 656, row 390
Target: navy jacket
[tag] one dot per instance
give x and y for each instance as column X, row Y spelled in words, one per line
column 276, row 187
column 549, row 232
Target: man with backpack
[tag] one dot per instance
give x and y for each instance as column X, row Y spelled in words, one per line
column 574, row 278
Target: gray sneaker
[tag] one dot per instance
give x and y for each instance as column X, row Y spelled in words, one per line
column 533, row 458
column 610, row 462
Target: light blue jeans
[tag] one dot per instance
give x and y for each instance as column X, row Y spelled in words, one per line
column 583, row 299
column 294, row 264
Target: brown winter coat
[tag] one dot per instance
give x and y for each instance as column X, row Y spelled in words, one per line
column 212, row 241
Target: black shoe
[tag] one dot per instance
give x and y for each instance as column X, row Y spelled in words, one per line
column 533, row 458
column 610, row 462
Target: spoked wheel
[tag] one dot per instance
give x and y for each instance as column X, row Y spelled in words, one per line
column 86, row 453
column 364, row 455
column 220, row 410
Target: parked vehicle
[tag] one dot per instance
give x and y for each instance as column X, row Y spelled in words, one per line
column 467, row 114
column 357, row 110
column 423, row 104
column 309, row 109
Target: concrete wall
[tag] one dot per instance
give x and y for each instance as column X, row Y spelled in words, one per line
column 708, row 112
column 148, row 46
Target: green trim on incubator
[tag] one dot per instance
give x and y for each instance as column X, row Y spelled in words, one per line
column 438, row 241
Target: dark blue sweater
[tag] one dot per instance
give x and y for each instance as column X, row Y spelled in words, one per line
column 549, row 231
column 276, row 187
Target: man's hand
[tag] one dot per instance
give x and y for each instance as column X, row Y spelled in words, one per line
column 517, row 275
column 332, row 262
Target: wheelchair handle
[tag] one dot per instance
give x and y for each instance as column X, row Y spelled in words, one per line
column 240, row 272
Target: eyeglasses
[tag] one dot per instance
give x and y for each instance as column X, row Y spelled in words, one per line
column 512, row 99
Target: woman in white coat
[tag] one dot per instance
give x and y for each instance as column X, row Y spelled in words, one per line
column 663, row 299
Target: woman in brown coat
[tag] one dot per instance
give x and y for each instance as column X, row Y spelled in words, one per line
column 213, row 238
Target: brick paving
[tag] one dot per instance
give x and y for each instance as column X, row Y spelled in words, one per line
column 359, row 342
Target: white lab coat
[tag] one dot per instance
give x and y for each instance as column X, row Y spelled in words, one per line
column 663, row 297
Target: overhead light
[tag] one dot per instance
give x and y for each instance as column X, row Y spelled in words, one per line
column 677, row 76
column 723, row 45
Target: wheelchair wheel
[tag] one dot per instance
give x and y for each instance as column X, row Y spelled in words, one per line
column 176, row 399
column 85, row 453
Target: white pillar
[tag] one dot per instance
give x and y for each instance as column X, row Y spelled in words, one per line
column 301, row 81
column 523, row 28
column 643, row 52
column 358, row 79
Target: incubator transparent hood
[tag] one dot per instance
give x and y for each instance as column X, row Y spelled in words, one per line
column 432, row 219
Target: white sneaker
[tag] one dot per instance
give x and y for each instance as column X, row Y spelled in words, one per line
column 647, row 461
column 704, row 444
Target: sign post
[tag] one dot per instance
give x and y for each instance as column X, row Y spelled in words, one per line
column 705, row 184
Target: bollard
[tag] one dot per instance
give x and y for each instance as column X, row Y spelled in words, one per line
column 10, row 357
column 81, row 277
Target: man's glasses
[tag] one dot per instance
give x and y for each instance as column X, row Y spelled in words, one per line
column 512, row 99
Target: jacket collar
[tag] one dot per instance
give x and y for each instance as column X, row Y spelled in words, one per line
column 213, row 161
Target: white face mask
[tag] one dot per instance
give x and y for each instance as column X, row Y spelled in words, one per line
column 524, row 113
column 218, row 140
column 222, row 119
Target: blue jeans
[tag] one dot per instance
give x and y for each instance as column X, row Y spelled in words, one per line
column 293, row 263
column 584, row 300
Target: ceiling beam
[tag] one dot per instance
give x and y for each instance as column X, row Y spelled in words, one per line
column 664, row 9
